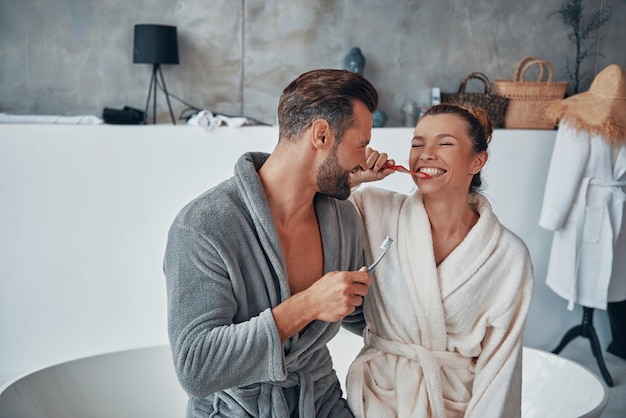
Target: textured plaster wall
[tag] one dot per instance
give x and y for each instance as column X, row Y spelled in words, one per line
column 72, row 57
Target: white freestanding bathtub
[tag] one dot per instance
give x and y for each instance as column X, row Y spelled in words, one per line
column 142, row 383
column 126, row 384
column 554, row 386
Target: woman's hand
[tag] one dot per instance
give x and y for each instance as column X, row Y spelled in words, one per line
column 376, row 168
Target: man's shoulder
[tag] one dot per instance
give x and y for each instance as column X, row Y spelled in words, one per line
column 219, row 201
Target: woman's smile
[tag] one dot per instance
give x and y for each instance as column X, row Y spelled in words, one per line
column 432, row 171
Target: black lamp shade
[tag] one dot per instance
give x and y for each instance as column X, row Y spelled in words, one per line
column 155, row 44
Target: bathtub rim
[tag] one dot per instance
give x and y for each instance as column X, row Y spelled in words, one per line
column 525, row 350
column 605, row 389
column 34, row 370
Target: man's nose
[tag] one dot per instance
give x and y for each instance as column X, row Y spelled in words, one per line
column 363, row 162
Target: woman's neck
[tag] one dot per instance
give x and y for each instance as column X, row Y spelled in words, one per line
column 451, row 219
column 448, row 213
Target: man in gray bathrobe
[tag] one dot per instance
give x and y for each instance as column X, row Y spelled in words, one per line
column 263, row 269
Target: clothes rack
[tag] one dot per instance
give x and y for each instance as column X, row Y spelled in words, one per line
column 587, row 330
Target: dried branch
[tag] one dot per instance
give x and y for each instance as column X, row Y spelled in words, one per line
column 571, row 14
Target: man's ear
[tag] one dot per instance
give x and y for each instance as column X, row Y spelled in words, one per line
column 320, row 133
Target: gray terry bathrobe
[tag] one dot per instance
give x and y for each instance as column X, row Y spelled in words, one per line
column 225, row 271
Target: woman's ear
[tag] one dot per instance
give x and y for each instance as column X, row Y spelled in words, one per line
column 479, row 161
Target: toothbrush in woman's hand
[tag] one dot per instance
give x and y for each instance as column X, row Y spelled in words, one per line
column 403, row 169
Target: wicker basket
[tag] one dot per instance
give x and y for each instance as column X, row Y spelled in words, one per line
column 495, row 106
column 529, row 100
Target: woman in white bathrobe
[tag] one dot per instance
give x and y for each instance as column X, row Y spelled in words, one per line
column 447, row 308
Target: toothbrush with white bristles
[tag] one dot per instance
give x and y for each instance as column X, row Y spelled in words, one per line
column 384, row 246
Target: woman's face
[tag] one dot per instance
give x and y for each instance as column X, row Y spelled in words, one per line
column 442, row 148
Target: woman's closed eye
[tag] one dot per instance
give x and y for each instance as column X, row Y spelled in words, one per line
column 441, row 144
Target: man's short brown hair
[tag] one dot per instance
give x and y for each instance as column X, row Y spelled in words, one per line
column 327, row 94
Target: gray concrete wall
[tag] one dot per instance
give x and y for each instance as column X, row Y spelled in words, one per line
column 72, row 57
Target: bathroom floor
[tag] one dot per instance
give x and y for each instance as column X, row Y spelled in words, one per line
column 579, row 350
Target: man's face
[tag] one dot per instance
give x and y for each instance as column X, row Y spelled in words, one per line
column 332, row 179
column 346, row 156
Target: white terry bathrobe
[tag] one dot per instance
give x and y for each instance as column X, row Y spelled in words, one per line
column 441, row 341
column 584, row 204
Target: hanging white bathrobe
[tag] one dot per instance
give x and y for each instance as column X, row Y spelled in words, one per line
column 584, row 204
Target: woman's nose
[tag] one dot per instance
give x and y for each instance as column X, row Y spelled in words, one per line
column 427, row 153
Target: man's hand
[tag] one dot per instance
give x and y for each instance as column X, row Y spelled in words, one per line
column 376, row 168
column 338, row 293
column 330, row 299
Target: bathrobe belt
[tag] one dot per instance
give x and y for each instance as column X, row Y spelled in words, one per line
column 306, row 402
column 430, row 361
column 615, row 188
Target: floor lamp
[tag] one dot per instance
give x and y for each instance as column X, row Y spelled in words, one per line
column 156, row 45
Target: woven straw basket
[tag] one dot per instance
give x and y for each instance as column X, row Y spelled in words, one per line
column 495, row 106
column 529, row 100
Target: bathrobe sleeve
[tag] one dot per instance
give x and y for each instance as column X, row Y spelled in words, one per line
column 567, row 165
column 497, row 384
column 214, row 348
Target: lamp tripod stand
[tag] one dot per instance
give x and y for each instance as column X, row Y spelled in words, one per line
column 152, row 92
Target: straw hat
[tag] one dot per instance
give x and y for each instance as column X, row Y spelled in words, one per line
column 601, row 109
